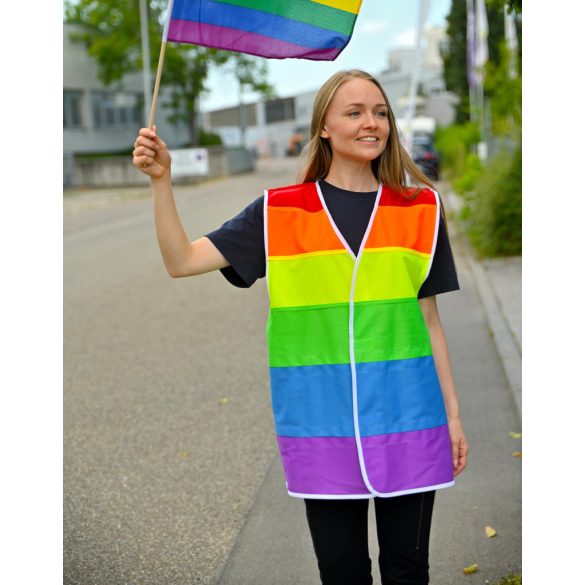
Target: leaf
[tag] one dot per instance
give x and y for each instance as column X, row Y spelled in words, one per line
column 489, row 531
column 517, row 453
column 223, row 401
column 470, row 569
column 185, row 454
column 515, row 435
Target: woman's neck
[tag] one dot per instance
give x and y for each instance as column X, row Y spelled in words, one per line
column 352, row 177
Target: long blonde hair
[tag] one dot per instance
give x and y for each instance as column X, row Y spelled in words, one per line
column 390, row 168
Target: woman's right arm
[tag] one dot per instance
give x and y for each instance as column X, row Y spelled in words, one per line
column 181, row 257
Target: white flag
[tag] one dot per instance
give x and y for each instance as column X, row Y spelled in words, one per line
column 511, row 42
column 481, row 47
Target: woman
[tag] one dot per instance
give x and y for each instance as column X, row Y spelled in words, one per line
column 362, row 392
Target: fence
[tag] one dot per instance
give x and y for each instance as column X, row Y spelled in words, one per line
column 118, row 171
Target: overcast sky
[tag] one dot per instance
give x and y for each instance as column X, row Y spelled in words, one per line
column 382, row 25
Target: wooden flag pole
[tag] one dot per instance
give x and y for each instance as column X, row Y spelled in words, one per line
column 161, row 60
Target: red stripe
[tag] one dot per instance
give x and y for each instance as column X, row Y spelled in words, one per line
column 391, row 197
column 303, row 196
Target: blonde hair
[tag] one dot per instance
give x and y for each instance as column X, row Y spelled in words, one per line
column 390, row 168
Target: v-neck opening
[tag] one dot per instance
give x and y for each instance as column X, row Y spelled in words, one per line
column 338, row 231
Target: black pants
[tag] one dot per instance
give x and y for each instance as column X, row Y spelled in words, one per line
column 339, row 529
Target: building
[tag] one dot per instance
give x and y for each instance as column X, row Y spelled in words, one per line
column 269, row 126
column 100, row 119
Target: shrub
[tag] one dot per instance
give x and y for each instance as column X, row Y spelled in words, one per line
column 494, row 209
column 209, row 139
column 454, row 143
column 470, row 173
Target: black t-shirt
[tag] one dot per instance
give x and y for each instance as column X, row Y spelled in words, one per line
column 241, row 240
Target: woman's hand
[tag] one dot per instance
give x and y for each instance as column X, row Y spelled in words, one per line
column 151, row 155
column 459, row 446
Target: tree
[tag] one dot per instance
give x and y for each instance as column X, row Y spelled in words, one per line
column 110, row 30
column 455, row 52
column 455, row 58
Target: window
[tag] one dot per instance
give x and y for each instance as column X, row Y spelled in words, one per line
column 116, row 109
column 280, row 110
column 72, row 109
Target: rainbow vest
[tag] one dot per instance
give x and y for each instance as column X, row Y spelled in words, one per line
column 358, row 408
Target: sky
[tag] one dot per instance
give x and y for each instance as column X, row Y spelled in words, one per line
column 382, row 25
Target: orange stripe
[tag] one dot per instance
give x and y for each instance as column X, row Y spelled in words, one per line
column 295, row 231
column 404, row 227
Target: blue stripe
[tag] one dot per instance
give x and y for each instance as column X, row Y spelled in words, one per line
column 312, row 401
column 255, row 21
column 393, row 397
column 397, row 396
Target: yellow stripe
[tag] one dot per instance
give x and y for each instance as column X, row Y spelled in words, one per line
column 344, row 251
column 392, row 274
column 322, row 279
column 311, row 280
column 396, row 249
column 352, row 6
column 309, row 254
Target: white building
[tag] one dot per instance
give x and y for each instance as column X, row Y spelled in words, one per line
column 270, row 125
column 97, row 118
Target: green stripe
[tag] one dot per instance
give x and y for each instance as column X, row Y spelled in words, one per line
column 303, row 11
column 383, row 330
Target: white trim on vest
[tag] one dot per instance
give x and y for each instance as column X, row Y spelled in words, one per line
column 435, row 236
column 265, row 218
column 426, row 488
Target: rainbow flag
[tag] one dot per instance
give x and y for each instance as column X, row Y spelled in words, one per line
column 276, row 29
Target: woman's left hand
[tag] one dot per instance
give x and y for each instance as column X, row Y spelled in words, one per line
column 459, row 446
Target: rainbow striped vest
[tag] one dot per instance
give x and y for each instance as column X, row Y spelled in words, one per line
column 358, row 408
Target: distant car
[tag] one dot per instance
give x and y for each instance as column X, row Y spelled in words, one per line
column 425, row 156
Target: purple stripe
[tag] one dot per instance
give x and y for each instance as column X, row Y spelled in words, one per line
column 321, row 465
column 395, row 462
column 405, row 461
column 209, row 35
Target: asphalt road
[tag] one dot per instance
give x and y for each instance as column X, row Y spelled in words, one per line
column 170, row 475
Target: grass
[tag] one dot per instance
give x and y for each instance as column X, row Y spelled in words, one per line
column 510, row 579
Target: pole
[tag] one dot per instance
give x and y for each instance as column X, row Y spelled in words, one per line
column 161, row 60
column 411, row 106
column 481, row 58
column 471, row 73
column 145, row 57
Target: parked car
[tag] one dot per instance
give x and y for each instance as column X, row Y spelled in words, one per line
column 296, row 143
column 425, row 156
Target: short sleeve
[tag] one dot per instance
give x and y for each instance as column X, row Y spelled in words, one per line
column 241, row 241
column 442, row 277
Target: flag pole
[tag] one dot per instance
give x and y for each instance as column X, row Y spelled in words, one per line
column 161, row 60
column 146, row 79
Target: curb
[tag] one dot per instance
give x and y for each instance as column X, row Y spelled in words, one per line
column 499, row 329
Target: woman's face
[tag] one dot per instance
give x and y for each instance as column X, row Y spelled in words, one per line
column 356, row 123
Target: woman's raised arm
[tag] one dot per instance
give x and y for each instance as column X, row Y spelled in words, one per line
column 181, row 257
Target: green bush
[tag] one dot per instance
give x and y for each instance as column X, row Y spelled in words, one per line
column 469, row 175
column 494, row 208
column 209, row 139
column 454, row 144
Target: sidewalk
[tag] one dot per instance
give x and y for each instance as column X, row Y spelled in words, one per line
column 499, row 284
